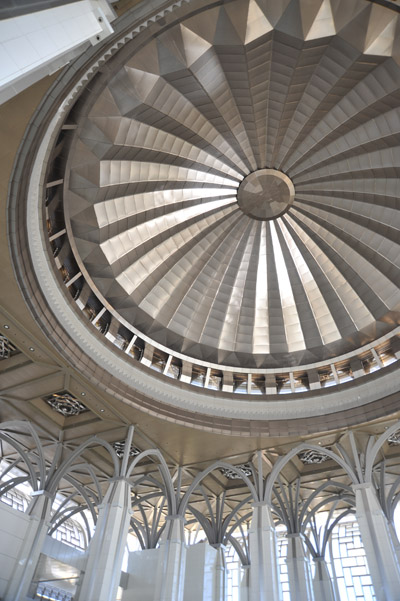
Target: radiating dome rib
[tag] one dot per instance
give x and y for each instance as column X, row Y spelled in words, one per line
column 362, row 254
column 200, row 297
column 244, row 75
column 324, row 321
column 306, row 319
column 166, row 100
column 261, row 335
column 233, row 295
column 179, row 276
column 171, row 230
column 212, row 79
column 277, row 325
column 128, row 133
column 362, row 101
column 339, row 64
column 293, row 330
column 359, row 144
column 325, row 280
column 120, row 172
column 338, row 272
column 135, row 208
column 289, row 76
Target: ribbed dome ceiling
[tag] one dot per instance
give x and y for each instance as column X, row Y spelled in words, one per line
column 300, row 102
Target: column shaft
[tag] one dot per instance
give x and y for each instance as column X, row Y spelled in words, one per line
column 299, row 571
column 375, row 535
column 106, row 550
column 245, row 584
column 264, row 581
column 220, row 575
column 395, row 540
column 170, row 576
column 22, row 577
column 322, row 583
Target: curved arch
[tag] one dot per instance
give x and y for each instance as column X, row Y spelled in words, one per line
column 332, row 499
column 210, row 532
column 227, row 521
column 393, row 505
column 238, row 524
column 331, row 528
column 281, row 509
column 64, row 468
column 282, row 461
column 150, row 531
column 371, row 455
column 63, row 517
column 33, row 476
column 81, row 490
column 243, row 556
column 164, row 471
column 148, row 497
column 145, row 525
column 4, row 426
column 218, row 464
column 89, row 468
column 137, row 528
column 319, row 490
column 12, row 483
column 208, row 505
column 318, row 547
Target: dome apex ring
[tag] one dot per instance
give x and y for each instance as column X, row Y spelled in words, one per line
column 265, row 194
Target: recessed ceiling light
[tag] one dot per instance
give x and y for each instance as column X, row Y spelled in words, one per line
column 83, row 393
column 102, row 410
column 31, row 348
column 6, row 326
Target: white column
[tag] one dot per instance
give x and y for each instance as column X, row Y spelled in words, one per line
column 323, row 588
column 395, row 540
column 381, row 556
column 220, row 574
column 264, row 581
column 170, row 577
column 244, row 584
column 299, row 570
column 24, row 570
column 106, row 549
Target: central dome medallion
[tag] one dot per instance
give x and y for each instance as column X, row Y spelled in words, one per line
column 265, row 194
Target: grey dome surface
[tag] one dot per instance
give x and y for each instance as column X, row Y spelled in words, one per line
column 166, row 138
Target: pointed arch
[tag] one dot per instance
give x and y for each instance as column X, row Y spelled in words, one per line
column 373, row 451
column 282, row 461
column 217, row 465
column 68, row 463
column 165, row 475
column 25, row 425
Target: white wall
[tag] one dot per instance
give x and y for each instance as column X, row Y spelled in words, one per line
column 65, row 553
column 13, row 526
column 142, row 570
column 37, row 44
column 200, row 573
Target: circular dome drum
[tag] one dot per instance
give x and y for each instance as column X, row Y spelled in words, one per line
column 229, row 206
column 230, row 185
